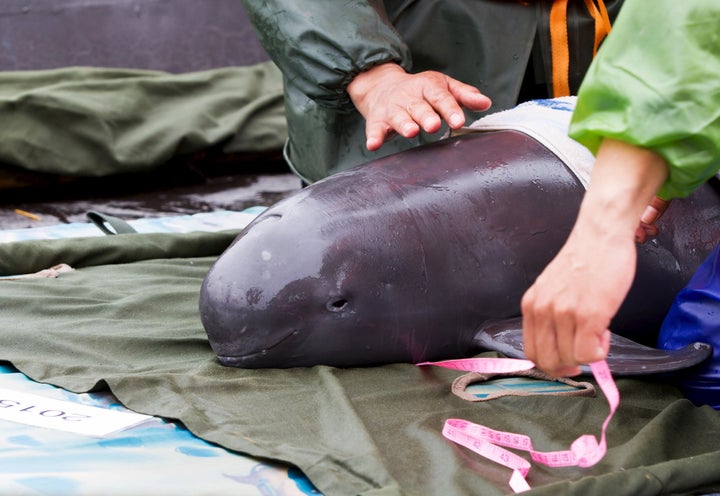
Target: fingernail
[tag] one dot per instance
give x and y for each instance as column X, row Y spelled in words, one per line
column 429, row 123
column 409, row 128
column 457, row 120
column 600, row 353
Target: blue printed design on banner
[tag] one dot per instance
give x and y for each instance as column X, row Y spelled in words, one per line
column 555, row 104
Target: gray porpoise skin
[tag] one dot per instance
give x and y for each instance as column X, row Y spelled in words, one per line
column 405, row 258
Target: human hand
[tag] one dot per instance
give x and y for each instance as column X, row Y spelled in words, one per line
column 393, row 101
column 567, row 311
column 653, row 212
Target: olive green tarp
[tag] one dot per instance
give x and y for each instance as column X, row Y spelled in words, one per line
column 127, row 319
column 89, row 121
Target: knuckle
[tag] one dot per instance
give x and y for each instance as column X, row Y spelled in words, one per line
column 527, row 303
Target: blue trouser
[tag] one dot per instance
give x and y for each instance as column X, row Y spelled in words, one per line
column 695, row 316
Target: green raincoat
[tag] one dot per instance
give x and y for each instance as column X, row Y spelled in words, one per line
column 656, row 84
column 321, row 45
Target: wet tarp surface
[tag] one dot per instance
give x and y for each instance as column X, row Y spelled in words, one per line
column 127, row 319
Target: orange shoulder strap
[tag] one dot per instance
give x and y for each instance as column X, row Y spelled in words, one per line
column 559, row 40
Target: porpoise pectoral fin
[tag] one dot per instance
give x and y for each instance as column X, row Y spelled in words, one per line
column 626, row 357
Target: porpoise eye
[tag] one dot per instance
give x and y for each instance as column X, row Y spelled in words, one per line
column 336, row 304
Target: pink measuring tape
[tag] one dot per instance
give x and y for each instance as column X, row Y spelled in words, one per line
column 585, row 451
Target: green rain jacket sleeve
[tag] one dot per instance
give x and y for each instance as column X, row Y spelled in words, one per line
column 655, row 83
column 321, row 48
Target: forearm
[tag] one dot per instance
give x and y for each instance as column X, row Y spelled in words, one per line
column 567, row 311
column 624, row 181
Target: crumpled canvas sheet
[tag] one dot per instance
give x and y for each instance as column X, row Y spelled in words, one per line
column 127, row 319
column 93, row 121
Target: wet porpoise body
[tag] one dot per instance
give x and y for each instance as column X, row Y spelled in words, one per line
column 407, row 258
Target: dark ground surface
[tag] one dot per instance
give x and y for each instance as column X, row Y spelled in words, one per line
column 178, row 189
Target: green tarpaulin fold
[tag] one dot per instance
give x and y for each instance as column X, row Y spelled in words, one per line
column 127, row 319
column 90, row 121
